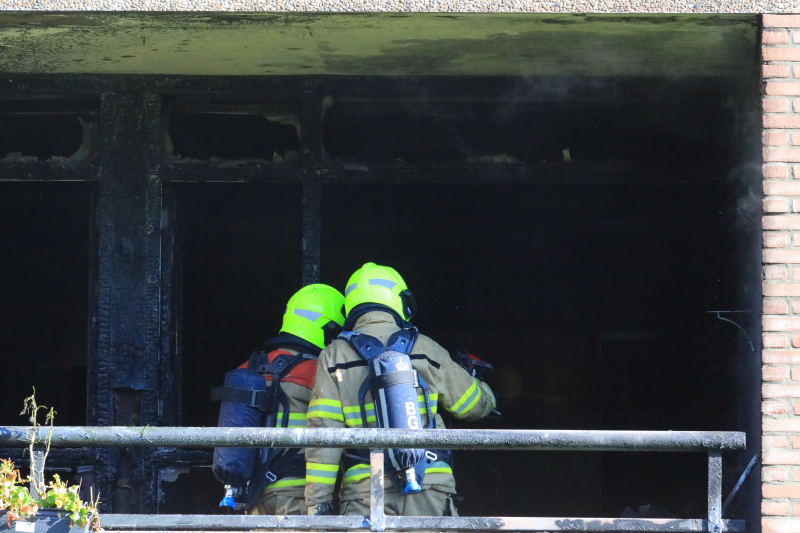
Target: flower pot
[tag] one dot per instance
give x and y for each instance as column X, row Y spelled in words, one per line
column 44, row 521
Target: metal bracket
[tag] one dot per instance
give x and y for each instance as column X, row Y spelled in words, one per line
column 739, row 483
column 746, row 336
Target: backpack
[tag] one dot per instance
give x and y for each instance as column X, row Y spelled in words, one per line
column 393, row 383
column 247, row 401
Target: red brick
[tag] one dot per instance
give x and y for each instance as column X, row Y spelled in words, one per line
column 780, row 424
column 795, row 275
column 780, row 357
column 781, row 21
column 773, row 408
column 795, row 139
column 775, row 240
column 796, row 374
column 774, row 341
column 781, row 491
column 769, row 53
column 774, row 105
column 780, row 289
column 780, row 457
column 784, row 88
column 773, row 373
column 774, row 474
column 795, row 341
column 781, row 121
column 774, row 509
column 774, row 71
column 780, row 256
column 796, row 105
column 775, row 138
column 795, row 306
column 796, row 172
column 778, row 222
column 780, row 323
column 788, row 155
column 769, row 390
column 781, row 188
column 775, row 307
column 780, row 525
column 770, row 442
column 774, row 272
column 775, row 37
column 795, row 208
column 796, row 474
column 775, row 205
column 796, row 407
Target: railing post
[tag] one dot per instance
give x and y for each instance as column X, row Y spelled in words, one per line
column 376, row 516
column 714, row 492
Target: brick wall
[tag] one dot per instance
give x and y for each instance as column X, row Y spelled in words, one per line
column 780, row 475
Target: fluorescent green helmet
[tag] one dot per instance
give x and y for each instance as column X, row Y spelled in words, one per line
column 312, row 310
column 375, row 284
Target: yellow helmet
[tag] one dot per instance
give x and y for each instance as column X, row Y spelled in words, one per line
column 376, row 284
column 311, row 311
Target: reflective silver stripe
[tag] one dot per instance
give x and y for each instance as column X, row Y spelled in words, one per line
column 383, row 283
column 350, row 289
column 310, row 315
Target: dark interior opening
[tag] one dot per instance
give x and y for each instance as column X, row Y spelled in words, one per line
column 591, row 302
column 44, row 282
column 40, row 129
column 591, row 298
column 651, row 132
column 219, row 137
column 240, row 253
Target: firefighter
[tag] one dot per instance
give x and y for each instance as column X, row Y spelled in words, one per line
column 379, row 304
column 313, row 316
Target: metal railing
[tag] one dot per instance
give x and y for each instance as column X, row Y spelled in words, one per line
column 712, row 443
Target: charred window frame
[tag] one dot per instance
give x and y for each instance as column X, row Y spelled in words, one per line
column 135, row 316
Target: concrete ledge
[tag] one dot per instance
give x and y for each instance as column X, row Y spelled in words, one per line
column 486, row 6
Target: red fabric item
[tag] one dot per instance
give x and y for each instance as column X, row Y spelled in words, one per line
column 301, row 374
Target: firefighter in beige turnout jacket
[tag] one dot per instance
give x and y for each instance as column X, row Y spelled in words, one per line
column 378, row 303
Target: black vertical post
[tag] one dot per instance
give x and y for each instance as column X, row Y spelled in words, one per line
column 127, row 323
column 311, row 139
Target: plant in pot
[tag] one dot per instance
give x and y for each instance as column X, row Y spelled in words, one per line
column 38, row 507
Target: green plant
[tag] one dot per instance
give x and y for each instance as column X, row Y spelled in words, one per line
column 16, row 498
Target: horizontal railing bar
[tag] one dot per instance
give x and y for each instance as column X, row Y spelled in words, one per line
column 194, row 523
column 457, row 439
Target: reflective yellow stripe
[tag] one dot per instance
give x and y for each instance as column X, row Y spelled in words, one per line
column 322, row 408
column 288, row 482
column 321, row 473
column 467, row 400
column 356, row 473
column 322, row 466
column 324, row 401
column 296, row 420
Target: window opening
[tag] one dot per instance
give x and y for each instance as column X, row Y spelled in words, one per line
column 48, row 129
column 44, row 278
column 648, row 132
column 230, row 133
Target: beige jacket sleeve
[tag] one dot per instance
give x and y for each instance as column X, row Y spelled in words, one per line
column 463, row 396
column 324, row 411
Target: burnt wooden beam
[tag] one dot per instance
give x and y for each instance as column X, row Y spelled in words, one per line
column 200, row 172
column 124, row 362
column 47, row 171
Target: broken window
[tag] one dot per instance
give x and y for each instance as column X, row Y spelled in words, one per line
column 230, row 133
column 47, row 129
